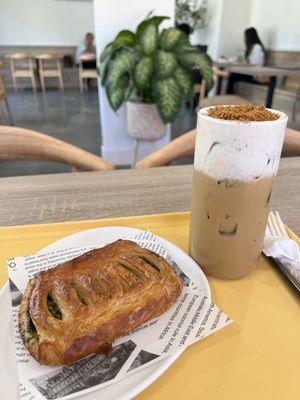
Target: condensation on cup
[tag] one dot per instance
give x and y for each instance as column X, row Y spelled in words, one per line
column 234, row 171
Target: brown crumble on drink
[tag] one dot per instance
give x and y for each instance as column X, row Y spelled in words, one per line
column 243, row 112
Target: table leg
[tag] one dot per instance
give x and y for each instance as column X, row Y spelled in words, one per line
column 219, row 84
column 270, row 92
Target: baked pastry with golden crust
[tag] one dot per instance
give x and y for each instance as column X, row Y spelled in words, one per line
column 81, row 306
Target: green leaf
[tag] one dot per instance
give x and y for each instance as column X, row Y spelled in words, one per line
column 200, row 61
column 156, row 21
column 148, row 39
column 108, row 51
column 143, row 72
column 103, row 68
column 168, row 99
column 128, row 90
column 123, row 81
column 123, row 62
column 185, row 81
column 172, row 37
column 183, row 48
column 165, row 64
column 147, row 34
column 125, row 38
column 115, row 95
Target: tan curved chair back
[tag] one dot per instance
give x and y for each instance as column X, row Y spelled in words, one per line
column 18, row 71
column 48, row 56
column 24, row 144
column 19, row 56
column 181, row 147
column 51, row 71
column 87, row 57
column 184, row 146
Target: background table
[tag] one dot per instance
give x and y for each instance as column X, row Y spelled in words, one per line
column 268, row 72
column 91, row 195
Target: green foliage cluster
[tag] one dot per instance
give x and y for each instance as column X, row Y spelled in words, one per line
column 152, row 66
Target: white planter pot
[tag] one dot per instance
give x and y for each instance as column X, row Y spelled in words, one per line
column 144, row 122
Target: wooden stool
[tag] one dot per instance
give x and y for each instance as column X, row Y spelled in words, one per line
column 50, row 72
column 86, row 73
column 21, row 72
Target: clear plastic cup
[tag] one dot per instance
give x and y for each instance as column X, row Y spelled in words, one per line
column 235, row 167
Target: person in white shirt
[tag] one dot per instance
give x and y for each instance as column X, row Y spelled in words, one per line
column 255, row 54
column 86, row 47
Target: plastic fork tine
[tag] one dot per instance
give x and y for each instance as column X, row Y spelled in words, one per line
column 281, row 225
column 270, row 226
column 274, row 224
column 267, row 231
column 277, row 226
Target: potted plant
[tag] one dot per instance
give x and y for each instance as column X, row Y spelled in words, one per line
column 190, row 13
column 152, row 72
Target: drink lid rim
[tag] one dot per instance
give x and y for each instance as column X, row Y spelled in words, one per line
column 282, row 118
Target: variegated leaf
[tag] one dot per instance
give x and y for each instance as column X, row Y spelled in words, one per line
column 171, row 38
column 143, row 72
column 115, row 95
column 123, row 62
column 200, row 61
column 165, row 64
column 185, row 81
column 168, row 98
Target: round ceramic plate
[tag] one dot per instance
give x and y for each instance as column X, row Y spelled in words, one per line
column 135, row 383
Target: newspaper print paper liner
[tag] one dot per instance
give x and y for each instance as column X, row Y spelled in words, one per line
column 84, row 375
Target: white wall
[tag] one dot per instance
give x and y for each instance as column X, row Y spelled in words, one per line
column 235, row 19
column 211, row 32
column 44, row 22
column 111, row 16
column 226, row 21
column 278, row 23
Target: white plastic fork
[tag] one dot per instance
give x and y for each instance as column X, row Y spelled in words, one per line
column 275, row 227
column 283, row 250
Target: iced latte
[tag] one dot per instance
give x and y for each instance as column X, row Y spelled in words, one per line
column 236, row 160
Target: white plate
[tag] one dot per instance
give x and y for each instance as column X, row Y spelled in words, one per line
column 129, row 387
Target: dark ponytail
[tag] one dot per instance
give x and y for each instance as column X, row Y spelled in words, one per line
column 252, row 38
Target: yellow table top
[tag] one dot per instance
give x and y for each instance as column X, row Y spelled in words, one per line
column 256, row 357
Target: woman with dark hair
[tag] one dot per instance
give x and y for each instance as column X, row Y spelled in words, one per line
column 255, row 54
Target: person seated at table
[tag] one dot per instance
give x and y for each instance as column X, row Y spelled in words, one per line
column 86, row 47
column 255, row 54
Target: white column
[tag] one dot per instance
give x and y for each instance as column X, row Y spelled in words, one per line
column 111, row 16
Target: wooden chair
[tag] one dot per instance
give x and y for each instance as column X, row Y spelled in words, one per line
column 24, row 144
column 4, row 99
column 184, row 146
column 215, row 100
column 20, row 71
column 86, row 73
column 53, row 71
